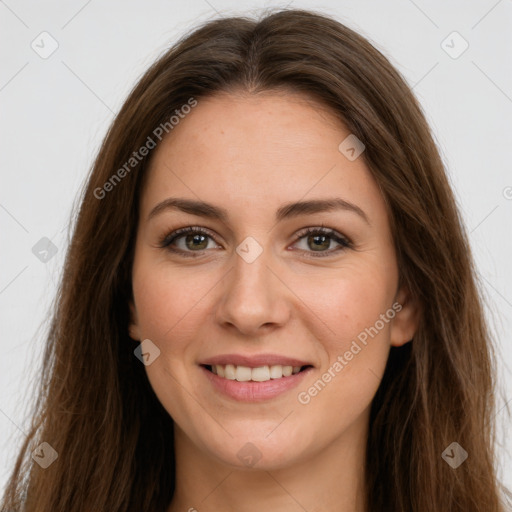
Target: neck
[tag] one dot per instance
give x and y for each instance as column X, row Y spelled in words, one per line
column 330, row 480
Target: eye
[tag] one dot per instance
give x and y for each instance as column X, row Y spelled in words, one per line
column 320, row 238
column 194, row 239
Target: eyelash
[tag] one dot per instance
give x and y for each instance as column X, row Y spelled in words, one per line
column 166, row 241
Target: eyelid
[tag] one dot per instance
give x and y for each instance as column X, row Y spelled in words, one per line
column 169, row 237
column 342, row 240
column 321, row 228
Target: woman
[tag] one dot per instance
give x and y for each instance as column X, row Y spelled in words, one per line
column 325, row 349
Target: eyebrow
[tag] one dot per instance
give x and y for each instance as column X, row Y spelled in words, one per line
column 286, row 211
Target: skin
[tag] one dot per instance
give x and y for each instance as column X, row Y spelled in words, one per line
column 250, row 155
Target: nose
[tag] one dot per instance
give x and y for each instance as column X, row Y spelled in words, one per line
column 254, row 299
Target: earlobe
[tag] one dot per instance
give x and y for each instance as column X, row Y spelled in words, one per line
column 406, row 321
column 133, row 326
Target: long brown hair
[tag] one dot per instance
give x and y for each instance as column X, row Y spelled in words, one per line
column 96, row 408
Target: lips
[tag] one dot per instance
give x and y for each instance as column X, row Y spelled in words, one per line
column 254, row 378
column 251, row 391
column 254, row 361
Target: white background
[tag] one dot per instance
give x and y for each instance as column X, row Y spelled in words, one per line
column 55, row 111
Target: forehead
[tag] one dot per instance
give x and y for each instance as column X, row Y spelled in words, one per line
column 261, row 150
column 265, row 127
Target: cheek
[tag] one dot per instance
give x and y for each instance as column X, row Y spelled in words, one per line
column 346, row 302
column 166, row 301
column 357, row 311
column 169, row 313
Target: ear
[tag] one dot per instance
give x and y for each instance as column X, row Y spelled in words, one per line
column 133, row 326
column 405, row 323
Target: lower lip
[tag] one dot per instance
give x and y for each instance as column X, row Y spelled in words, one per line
column 254, row 391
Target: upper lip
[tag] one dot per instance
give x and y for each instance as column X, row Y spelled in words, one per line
column 254, row 361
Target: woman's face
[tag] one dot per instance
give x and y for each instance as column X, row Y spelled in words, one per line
column 252, row 294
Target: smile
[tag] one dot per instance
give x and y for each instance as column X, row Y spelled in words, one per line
column 264, row 373
column 254, row 378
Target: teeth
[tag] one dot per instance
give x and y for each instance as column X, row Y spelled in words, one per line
column 276, row 372
column 229, row 371
column 243, row 373
column 260, row 374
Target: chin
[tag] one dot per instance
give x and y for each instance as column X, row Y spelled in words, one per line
column 259, row 450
